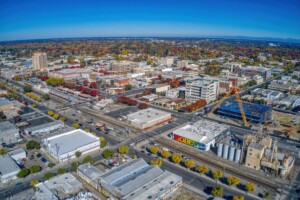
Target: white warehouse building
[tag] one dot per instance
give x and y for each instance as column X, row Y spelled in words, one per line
column 201, row 135
column 64, row 146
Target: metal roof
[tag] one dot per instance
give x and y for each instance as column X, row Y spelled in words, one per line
column 7, row 165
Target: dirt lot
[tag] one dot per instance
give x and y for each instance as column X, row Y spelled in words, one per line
column 284, row 121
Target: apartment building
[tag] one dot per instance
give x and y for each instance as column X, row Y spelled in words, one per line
column 204, row 89
column 39, row 61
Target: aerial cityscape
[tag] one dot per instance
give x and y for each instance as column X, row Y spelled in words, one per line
column 148, row 101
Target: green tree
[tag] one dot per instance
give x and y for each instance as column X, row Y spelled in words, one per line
column 77, row 154
column 107, row 153
column 75, row 125
column 27, row 88
column 165, row 154
column 62, row 119
column 23, row 173
column 49, row 175
column 233, row 180
column 176, row 158
column 217, row 174
column 217, row 192
column 157, row 162
column 34, row 182
column 32, row 144
column 88, row 159
column 154, row 149
column 128, row 87
column 267, row 195
column 134, row 156
column 202, row 169
column 74, row 166
column 103, row 143
column 61, row 171
column 51, row 165
column 189, row 163
column 46, row 96
column 123, row 149
column 54, row 81
column 250, row 187
column 35, row 168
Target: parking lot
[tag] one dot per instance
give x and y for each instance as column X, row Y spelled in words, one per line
column 122, row 112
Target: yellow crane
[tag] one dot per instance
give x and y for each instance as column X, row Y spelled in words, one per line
column 233, row 91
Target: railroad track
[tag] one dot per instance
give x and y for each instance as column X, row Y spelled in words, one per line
column 218, row 166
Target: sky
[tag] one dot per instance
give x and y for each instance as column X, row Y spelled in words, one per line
column 42, row 19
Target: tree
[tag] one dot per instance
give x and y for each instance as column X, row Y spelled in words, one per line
column 165, row 154
column 238, row 198
column 61, row 171
column 176, row 158
column 27, row 88
column 233, row 180
column 2, row 151
column 54, row 81
column 217, row 191
column 23, row 173
column 49, row 175
column 267, row 195
column 128, row 87
column 189, row 163
column 77, row 154
column 103, row 143
column 62, row 119
column 250, row 187
column 75, row 125
column 143, row 106
column 217, row 174
column 107, row 153
column 50, row 112
column 51, row 165
column 34, row 182
column 74, row 166
column 46, row 96
column 157, row 162
column 88, row 159
column 123, row 149
column 202, row 169
column 33, row 105
column 56, row 116
column 32, row 144
column 134, row 156
column 35, row 168
column 154, row 149
column 93, row 85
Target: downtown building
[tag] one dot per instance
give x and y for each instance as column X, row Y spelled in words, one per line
column 200, row 88
column 39, row 61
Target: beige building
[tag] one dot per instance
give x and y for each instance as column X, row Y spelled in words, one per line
column 39, row 61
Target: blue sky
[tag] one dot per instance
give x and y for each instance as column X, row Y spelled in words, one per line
column 36, row 19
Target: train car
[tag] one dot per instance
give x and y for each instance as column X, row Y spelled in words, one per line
column 71, row 91
column 83, row 95
column 59, row 95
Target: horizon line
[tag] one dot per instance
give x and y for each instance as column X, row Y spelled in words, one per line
column 255, row 38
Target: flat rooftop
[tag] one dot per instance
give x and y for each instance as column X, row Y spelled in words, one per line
column 64, row 182
column 203, row 131
column 7, row 165
column 4, row 101
column 70, row 141
column 90, row 171
column 147, row 116
column 5, row 126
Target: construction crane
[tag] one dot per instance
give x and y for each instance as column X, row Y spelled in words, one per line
column 234, row 91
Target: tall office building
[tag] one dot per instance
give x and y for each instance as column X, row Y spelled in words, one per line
column 39, row 61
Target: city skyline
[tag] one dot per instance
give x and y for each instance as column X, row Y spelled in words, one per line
column 43, row 20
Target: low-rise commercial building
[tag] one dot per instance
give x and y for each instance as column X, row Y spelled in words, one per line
column 58, row 187
column 8, row 169
column 5, row 104
column 42, row 124
column 17, row 155
column 9, row 133
column 201, row 134
column 64, row 146
column 158, row 88
column 135, row 180
column 148, row 118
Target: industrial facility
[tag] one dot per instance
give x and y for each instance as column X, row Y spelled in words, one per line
column 260, row 153
column 148, row 118
column 201, row 134
column 254, row 113
column 229, row 148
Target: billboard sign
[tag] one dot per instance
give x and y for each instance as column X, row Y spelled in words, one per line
column 181, row 94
